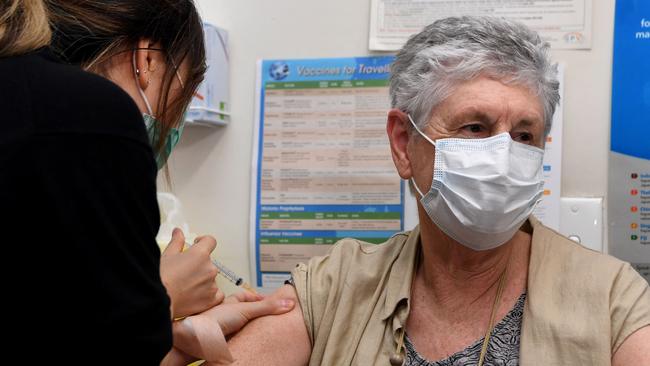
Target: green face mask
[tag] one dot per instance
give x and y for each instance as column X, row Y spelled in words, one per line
column 154, row 128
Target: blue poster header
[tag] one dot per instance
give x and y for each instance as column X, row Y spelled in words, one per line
column 322, row 69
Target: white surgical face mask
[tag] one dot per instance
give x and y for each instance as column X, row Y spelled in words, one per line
column 483, row 189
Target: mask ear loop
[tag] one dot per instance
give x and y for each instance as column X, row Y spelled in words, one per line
column 180, row 81
column 419, row 131
column 428, row 139
column 178, row 74
column 416, row 187
column 136, row 72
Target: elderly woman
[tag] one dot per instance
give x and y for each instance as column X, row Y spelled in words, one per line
column 480, row 281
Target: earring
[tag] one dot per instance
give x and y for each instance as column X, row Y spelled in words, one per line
column 137, row 72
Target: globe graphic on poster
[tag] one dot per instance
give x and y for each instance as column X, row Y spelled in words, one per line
column 279, row 70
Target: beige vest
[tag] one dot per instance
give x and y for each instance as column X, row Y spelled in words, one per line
column 580, row 304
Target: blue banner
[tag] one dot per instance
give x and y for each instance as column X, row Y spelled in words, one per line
column 629, row 158
column 631, row 79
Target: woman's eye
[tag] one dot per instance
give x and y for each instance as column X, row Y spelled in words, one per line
column 524, row 137
column 473, row 128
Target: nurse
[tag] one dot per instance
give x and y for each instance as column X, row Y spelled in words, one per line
column 79, row 154
column 158, row 62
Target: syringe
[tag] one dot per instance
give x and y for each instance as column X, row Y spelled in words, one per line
column 230, row 275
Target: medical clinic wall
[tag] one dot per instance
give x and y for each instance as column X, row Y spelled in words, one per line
column 211, row 168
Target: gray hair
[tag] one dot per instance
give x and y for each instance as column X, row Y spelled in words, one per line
column 453, row 50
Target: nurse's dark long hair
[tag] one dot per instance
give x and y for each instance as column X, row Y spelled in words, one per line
column 90, row 32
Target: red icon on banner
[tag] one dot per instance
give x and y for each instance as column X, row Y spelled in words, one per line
column 634, row 192
column 634, row 209
column 635, row 176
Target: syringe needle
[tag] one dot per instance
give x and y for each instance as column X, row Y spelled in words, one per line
column 230, row 275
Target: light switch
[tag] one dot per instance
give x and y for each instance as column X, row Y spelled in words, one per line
column 581, row 220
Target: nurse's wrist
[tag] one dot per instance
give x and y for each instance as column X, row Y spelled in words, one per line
column 203, row 339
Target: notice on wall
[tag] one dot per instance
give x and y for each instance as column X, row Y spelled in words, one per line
column 322, row 167
column 629, row 159
column 565, row 24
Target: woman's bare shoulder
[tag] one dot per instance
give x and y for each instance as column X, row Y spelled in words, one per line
column 273, row 339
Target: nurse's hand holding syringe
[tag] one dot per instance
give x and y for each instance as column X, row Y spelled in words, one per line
column 228, row 274
column 189, row 275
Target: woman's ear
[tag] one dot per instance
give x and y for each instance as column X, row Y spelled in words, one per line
column 397, row 128
column 143, row 63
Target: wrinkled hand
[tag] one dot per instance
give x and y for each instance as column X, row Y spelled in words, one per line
column 189, row 276
column 230, row 316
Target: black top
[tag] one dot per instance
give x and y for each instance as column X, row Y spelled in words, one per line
column 80, row 268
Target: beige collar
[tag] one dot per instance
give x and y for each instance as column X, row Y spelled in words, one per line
column 401, row 275
column 398, row 290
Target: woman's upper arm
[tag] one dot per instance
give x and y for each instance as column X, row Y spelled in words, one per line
column 274, row 339
column 629, row 305
column 635, row 350
column 630, row 318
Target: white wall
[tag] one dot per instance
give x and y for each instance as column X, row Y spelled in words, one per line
column 211, row 167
